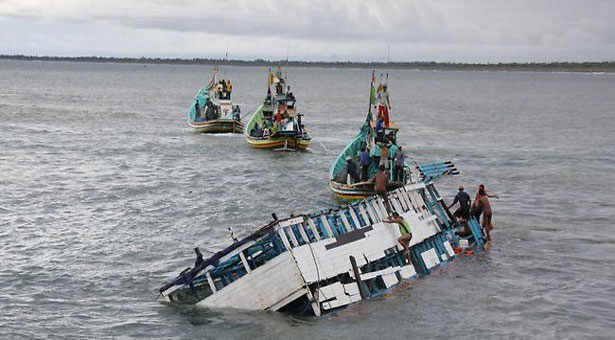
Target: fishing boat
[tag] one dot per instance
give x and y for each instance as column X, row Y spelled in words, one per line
column 318, row 262
column 212, row 110
column 372, row 136
column 276, row 123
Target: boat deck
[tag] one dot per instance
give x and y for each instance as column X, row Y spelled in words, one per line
column 392, row 125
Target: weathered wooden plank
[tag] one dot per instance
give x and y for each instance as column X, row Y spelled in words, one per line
column 302, row 232
column 291, row 221
column 345, row 221
column 399, row 198
column 430, row 258
column 284, row 239
column 371, row 213
column 261, row 289
column 245, row 262
column 325, row 223
column 449, row 249
column 314, row 230
column 364, row 214
column 396, row 205
column 293, row 239
column 407, row 271
column 355, row 220
column 211, row 283
column 390, row 280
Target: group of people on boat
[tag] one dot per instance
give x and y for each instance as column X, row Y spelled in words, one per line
column 467, row 209
column 224, row 89
column 209, row 112
column 386, row 154
column 271, row 125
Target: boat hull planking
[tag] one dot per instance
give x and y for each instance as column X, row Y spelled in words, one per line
column 279, row 142
column 217, row 126
column 351, row 193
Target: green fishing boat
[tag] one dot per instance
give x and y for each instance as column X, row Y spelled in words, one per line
column 372, row 138
column 276, row 123
column 212, row 110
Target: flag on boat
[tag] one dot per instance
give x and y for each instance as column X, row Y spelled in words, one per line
column 372, row 93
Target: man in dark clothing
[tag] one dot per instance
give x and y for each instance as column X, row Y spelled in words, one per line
column 351, row 170
column 464, row 204
column 380, row 130
column 197, row 109
column 381, row 183
column 364, row 162
column 398, row 170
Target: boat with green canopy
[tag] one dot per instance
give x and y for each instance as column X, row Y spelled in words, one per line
column 375, row 135
column 212, row 110
column 276, row 123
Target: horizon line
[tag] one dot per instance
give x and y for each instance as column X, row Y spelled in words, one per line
column 608, row 64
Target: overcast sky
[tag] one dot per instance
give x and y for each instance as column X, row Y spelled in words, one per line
column 336, row 30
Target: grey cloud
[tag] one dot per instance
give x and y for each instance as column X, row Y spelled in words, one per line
column 417, row 28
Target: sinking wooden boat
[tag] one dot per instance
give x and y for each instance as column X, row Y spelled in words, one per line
column 345, row 190
column 212, row 110
column 276, row 123
column 317, row 262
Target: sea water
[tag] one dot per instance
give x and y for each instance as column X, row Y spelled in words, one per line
column 105, row 190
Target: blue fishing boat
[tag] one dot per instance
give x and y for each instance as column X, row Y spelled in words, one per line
column 212, row 110
column 317, row 262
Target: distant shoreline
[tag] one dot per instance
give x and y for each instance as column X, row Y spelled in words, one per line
column 605, row 66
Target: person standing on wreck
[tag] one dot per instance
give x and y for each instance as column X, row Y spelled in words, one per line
column 406, row 233
column 381, row 182
column 483, row 204
column 476, row 211
column 464, row 201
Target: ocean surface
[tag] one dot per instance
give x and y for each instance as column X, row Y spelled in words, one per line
column 105, row 190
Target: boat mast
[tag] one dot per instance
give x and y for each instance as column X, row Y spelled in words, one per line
column 225, row 60
column 286, row 68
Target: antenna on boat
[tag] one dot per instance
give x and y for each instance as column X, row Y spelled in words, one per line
column 286, row 68
column 225, row 60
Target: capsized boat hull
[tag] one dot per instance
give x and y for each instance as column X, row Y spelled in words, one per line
column 217, row 126
column 325, row 260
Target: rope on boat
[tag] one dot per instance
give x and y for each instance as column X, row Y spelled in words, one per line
column 323, row 146
column 251, row 111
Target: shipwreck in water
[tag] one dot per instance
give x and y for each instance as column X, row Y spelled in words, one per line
column 315, row 263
